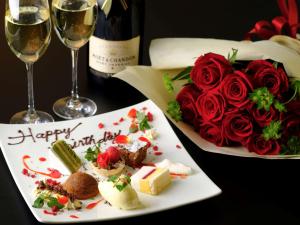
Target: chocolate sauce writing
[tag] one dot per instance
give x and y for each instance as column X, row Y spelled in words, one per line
column 49, row 135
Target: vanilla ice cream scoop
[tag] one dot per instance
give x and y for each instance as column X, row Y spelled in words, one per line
column 119, row 193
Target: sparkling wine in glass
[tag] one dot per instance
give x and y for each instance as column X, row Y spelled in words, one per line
column 74, row 22
column 28, row 30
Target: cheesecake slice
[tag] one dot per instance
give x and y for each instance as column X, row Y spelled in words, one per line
column 151, row 180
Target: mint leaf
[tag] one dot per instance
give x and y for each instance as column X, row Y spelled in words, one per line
column 113, row 178
column 120, row 187
column 120, row 182
column 54, row 202
column 272, row 131
column 38, row 203
column 279, row 106
column 262, row 97
column 91, row 154
column 168, row 83
column 174, row 110
column 232, row 56
column 142, row 121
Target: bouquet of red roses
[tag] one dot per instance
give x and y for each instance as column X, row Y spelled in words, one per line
column 240, row 103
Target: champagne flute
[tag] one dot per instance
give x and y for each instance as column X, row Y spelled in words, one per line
column 28, row 30
column 74, row 22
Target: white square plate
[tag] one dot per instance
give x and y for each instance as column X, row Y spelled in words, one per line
column 35, row 140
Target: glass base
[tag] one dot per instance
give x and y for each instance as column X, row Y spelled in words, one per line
column 67, row 108
column 25, row 117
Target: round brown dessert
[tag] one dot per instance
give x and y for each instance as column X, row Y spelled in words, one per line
column 81, row 185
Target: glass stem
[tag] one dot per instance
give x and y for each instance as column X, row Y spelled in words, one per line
column 74, row 92
column 29, row 68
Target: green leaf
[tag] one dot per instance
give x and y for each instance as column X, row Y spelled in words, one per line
column 262, row 97
column 120, row 187
column 190, row 81
column 91, row 154
column 168, row 83
column 185, row 74
column 174, row 110
column 272, row 131
column 120, row 182
column 232, row 56
column 38, row 203
column 294, row 144
column 275, row 64
column 142, row 121
column 292, row 147
column 54, row 202
column 113, row 178
column 279, row 106
column 128, row 179
column 296, row 87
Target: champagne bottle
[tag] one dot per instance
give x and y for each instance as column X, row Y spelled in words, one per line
column 115, row 43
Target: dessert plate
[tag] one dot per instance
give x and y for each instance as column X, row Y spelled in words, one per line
column 28, row 146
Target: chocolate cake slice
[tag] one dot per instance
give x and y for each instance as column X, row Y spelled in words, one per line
column 134, row 158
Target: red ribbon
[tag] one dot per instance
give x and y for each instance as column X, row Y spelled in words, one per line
column 286, row 24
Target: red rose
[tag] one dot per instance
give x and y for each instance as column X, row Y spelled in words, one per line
column 212, row 133
column 186, row 99
column 291, row 126
column 211, row 106
column 237, row 127
column 235, row 88
column 294, row 107
column 266, row 75
column 264, row 117
column 209, row 70
column 260, row 146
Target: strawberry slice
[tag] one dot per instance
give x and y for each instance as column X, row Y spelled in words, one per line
column 103, row 160
column 62, row 200
column 122, row 139
column 132, row 113
column 113, row 154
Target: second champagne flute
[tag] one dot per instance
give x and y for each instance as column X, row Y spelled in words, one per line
column 74, row 22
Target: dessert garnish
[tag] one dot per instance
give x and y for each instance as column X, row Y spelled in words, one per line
column 91, row 153
column 151, row 180
column 140, row 120
column 107, row 163
column 53, row 173
column 51, row 193
column 81, row 185
column 120, row 182
column 132, row 113
column 118, row 192
column 122, row 139
column 66, row 154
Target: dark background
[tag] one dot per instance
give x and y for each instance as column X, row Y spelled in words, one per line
column 255, row 191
